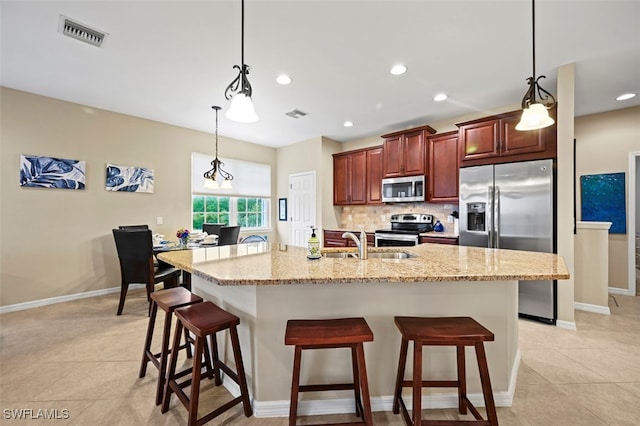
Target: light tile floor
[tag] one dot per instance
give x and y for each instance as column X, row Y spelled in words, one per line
column 80, row 357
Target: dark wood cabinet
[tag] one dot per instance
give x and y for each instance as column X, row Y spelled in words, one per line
column 334, row 239
column 374, row 175
column 404, row 153
column 494, row 139
column 444, row 167
column 349, row 178
column 357, row 177
column 439, row 240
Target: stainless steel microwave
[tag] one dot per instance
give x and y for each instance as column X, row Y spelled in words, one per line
column 403, row 189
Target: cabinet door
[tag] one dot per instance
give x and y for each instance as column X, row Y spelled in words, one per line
column 413, row 153
column 480, row 140
column 392, row 157
column 358, row 177
column 443, row 168
column 374, row 176
column 341, row 180
column 516, row 142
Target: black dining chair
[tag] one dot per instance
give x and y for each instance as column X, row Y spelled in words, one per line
column 133, row 227
column 212, row 228
column 228, row 235
column 135, row 253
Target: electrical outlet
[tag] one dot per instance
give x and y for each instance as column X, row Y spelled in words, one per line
column 350, row 218
column 382, row 218
column 449, row 219
column 159, row 220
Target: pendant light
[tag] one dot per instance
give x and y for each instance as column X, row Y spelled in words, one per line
column 239, row 91
column 211, row 176
column 535, row 114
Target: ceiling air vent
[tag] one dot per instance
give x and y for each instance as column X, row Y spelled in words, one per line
column 74, row 29
column 296, row 113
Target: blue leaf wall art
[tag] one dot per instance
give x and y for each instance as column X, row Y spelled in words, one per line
column 129, row 179
column 49, row 172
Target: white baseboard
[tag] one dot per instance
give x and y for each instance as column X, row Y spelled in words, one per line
column 597, row 309
column 60, row 299
column 616, row 290
column 566, row 325
column 265, row 409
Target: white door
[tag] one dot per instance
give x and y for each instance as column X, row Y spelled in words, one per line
column 302, row 207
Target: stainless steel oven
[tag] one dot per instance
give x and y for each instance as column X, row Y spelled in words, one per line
column 405, row 230
column 384, row 239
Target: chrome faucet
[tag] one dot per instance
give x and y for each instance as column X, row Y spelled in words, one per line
column 361, row 243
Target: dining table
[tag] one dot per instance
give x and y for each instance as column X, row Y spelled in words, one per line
column 168, row 246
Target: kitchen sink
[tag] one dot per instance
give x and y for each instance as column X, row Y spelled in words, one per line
column 391, row 255
column 341, row 255
column 374, row 255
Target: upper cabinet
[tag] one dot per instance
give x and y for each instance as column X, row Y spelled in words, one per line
column 443, row 168
column 404, row 152
column 374, row 175
column 357, row 177
column 349, row 178
column 494, row 139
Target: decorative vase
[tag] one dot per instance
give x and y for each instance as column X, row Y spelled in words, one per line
column 183, row 242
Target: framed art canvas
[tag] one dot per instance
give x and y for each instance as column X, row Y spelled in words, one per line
column 282, row 209
column 49, row 172
column 129, row 179
column 603, row 200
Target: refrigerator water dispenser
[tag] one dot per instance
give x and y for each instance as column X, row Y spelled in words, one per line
column 476, row 214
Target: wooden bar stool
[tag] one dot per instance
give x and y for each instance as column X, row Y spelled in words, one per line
column 168, row 300
column 447, row 331
column 331, row 333
column 203, row 320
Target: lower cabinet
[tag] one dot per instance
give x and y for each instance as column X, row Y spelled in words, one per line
column 334, row 239
column 439, row 240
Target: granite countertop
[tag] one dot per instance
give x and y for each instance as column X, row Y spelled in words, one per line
column 278, row 264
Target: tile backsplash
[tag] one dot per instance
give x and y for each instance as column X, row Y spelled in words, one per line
column 373, row 217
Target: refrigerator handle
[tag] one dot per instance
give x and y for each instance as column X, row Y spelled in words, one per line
column 496, row 236
column 489, row 219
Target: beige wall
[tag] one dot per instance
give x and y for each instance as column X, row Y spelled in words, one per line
column 313, row 155
column 603, row 144
column 59, row 242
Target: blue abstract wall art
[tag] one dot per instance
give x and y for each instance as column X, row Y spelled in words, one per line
column 49, row 172
column 129, row 179
column 603, row 200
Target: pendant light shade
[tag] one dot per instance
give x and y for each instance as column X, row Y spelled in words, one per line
column 239, row 91
column 211, row 176
column 536, row 101
column 241, row 109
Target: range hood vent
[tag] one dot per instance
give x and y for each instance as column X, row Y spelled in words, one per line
column 74, row 29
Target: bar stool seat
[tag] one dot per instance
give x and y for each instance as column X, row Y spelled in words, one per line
column 205, row 320
column 443, row 331
column 168, row 300
column 331, row 333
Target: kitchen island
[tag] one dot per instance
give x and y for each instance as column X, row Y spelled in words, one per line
column 267, row 284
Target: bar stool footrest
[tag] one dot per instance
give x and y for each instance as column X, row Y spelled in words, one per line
column 326, row 387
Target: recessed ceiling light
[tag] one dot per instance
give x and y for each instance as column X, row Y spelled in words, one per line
column 440, row 97
column 348, row 123
column 625, row 96
column 398, row 69
column 283, row 79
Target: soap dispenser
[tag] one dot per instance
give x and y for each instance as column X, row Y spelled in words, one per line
column 313, row 246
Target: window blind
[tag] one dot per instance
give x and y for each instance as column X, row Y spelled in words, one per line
column 249, row 179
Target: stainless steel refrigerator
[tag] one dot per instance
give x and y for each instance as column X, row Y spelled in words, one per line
column 512, row 206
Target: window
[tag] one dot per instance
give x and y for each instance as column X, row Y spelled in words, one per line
column 247, row 204
column 243, row 211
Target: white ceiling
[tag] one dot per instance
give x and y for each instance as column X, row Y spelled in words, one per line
column 170, row 61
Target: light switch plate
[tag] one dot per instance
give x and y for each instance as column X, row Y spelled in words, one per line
column 159, row 220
